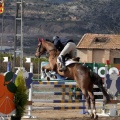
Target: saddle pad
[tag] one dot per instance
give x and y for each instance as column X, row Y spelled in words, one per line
column 70, row 61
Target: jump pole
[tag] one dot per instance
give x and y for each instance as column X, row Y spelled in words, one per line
column 30, row 93
column 28, row 60
column 8, row 66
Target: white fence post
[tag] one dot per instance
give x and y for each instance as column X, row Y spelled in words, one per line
column 30, row 93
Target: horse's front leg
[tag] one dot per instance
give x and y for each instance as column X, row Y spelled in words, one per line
column 45, row 72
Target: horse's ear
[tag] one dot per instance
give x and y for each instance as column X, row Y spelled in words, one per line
column 43, row 40
column 39, row 40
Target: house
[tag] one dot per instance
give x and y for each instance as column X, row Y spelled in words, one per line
column 99, row 48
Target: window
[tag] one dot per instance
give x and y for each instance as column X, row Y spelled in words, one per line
column 116, row 61
column 101, row 40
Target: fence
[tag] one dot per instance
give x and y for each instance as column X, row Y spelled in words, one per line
column 110, row 74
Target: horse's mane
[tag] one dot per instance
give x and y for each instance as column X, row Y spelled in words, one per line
column 50, row 42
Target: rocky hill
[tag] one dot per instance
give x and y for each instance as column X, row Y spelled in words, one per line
column 66, row 18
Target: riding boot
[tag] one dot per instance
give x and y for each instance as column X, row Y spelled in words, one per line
column 63, row 67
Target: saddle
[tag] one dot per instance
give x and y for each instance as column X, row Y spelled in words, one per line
column 69, row 60
column 68, row 56
column 76, row 59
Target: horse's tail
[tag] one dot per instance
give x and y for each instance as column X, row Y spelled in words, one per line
column 97, row 80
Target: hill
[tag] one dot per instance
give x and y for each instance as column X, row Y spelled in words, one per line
column 47, row 18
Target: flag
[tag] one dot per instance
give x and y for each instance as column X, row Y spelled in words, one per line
column 1, row 6
column 28, row 60
column 5, row 59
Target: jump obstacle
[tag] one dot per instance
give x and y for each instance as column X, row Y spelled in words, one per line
column 61, row 84
column 64, row 84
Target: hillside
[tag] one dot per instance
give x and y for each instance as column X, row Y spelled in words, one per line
column 47, row 18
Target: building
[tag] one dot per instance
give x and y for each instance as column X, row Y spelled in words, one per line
column 99, row 48
column 6, row 49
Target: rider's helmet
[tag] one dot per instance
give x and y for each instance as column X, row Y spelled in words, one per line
column 54, row 38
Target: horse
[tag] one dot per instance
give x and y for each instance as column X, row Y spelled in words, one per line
column 84, row 78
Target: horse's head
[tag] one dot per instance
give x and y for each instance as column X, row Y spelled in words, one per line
column 40, row 49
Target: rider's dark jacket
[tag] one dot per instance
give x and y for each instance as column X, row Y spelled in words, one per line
column 60, row 43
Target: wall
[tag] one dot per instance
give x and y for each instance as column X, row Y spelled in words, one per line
column 98, row 56
column 95, row 55
column 114, row 54
column 82, row 54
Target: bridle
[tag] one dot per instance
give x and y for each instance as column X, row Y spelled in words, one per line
column 48, row 53
column 39, row 47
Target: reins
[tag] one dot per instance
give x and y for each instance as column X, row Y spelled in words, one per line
column 52, row 50
column 55, row 50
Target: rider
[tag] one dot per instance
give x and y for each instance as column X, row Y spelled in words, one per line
column 66, row 46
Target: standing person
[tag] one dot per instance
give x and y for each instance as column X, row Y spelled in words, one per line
column 66, row 46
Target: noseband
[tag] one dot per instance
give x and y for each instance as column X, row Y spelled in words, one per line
column 39, row 47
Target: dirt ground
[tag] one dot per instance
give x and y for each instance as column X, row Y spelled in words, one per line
column 64, row 115
column 61, row 114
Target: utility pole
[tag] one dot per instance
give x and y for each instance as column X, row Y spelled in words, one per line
column 2, row 24
column 2, row 19
column 18, row 31
column 2, row 32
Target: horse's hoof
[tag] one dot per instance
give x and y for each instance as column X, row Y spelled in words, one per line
column 92, row 116
column 54, row 76
column 95, row 117
column 48, row 79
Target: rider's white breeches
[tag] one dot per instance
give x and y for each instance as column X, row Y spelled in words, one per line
column 70, row 48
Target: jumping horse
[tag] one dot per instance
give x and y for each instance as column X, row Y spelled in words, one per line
column 84, row 78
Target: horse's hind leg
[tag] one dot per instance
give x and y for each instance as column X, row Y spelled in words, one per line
column 94, row 115
column 85, row 93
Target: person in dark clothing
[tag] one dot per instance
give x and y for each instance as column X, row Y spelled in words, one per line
column 66, row 46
